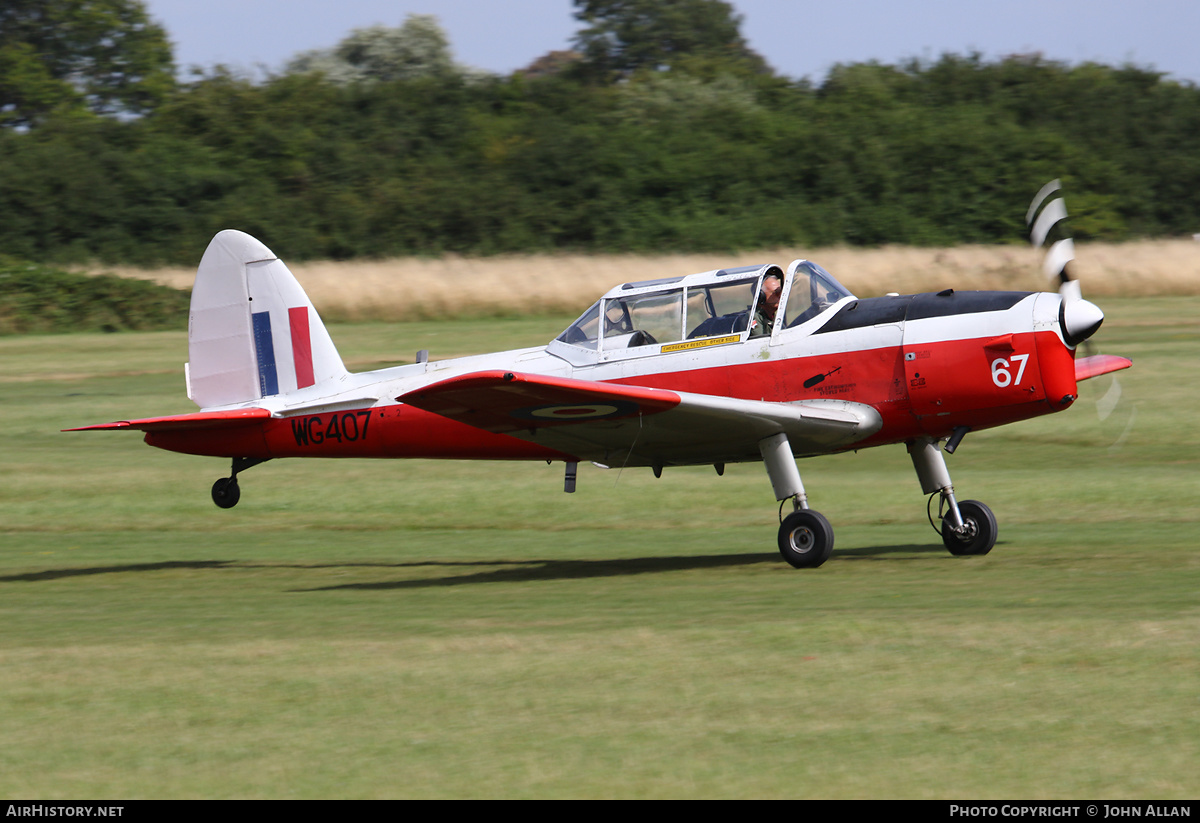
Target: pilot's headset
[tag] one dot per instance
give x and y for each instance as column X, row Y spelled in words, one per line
column 762, row 291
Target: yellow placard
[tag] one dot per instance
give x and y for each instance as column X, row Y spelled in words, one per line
column 700, row 344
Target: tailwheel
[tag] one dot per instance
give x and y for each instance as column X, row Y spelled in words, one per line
column 226, row 492
column 978, row 533
column 805, row 539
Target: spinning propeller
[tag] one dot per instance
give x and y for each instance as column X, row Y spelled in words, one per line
column 1078, row 318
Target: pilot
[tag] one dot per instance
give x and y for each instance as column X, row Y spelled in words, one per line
column 768, row 304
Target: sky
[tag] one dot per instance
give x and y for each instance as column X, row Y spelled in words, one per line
column 798, row 38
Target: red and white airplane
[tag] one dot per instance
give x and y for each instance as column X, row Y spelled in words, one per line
column 673, row 371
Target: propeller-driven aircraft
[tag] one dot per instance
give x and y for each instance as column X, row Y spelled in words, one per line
column 741, row 364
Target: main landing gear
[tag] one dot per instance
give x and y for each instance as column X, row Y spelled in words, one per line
column 225, row 492
column 978, row 533
column 968, row 527
column 806, row 537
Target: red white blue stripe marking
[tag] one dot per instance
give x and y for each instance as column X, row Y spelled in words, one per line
column 301, row 361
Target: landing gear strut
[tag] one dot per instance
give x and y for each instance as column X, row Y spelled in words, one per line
column 805, row 536
column 225, row 492
column 968, row 527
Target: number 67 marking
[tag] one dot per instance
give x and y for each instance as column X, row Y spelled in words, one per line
column 1001, row 375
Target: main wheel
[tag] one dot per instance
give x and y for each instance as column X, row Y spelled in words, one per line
column 980, row 533
column 225, row 492
column 805, row 539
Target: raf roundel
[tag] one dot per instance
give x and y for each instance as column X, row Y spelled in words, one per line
column 587, row 411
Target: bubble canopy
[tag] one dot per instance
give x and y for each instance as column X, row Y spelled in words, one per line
column 721, row 303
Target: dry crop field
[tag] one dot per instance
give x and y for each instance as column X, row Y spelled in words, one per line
column 422, row 288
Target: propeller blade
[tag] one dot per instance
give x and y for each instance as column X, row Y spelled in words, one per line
column 1055, row 211
column 1057, row 258
column 1078, row 318
column 1108, row 403
column 1062, row 251
column 1043, row 193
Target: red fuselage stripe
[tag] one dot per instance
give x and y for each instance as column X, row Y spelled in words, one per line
column 385, row 431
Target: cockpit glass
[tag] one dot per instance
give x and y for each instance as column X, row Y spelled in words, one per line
column 646, row 319
column 716, row 308
column 585, row 331
column 721, row 308
column 813, row 290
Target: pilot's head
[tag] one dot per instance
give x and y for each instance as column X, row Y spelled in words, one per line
column 769, row 299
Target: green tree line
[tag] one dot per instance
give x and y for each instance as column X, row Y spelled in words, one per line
column 660, row 131
column 38, row 298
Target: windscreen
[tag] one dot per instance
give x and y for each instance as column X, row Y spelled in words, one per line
column 813, row 290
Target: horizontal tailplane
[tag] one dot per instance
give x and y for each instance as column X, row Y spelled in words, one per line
column 184, row 422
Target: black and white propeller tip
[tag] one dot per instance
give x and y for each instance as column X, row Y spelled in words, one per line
column 1078, row 318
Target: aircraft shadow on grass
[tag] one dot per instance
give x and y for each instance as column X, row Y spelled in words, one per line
column 523, row 571
column 880, row 552
column 498, row 571
column 514, row 571
column 58, row 574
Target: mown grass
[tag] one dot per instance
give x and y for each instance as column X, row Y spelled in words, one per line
column 427, row 629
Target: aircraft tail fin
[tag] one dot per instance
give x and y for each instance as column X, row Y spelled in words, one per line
column 252, row 331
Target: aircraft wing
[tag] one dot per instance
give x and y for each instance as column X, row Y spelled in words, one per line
column 1098, row 364
column 195, row 420
column 622, row 425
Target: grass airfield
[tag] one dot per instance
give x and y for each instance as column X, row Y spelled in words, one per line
column 444, row 629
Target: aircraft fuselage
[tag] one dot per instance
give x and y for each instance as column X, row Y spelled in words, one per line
column 927, row 363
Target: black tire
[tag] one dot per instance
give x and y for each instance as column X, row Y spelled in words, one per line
column 226, row 493
column 981, row 530
column 805, row 539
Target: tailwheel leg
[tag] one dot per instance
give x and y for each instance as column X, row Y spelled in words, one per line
column 225, row 492
column 968, row 527
column 805, row 536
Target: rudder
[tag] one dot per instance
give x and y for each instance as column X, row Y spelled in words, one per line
column 252, row 331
